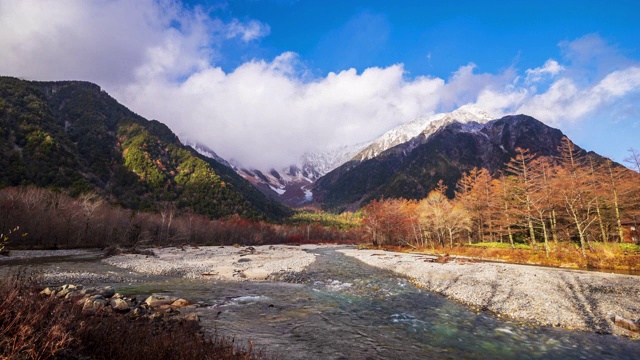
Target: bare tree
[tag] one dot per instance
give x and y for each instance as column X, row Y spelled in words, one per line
column 633, row 159
column 89, row 202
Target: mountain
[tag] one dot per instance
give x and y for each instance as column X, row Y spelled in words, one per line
column 74, row 137
column 445, row 149
column 292, row 185
column 425, row 125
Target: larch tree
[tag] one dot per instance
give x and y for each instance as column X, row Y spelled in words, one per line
column 476, row 196
column 519, row 167
column 575, row 190
column 503, row 190
column 442, row 218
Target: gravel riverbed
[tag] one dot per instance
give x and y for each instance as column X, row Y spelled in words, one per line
column 217, row 262
column 572, row 299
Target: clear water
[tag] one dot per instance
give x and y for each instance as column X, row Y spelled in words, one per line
column 345, row 309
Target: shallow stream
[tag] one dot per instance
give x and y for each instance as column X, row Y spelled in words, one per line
column 344, row 309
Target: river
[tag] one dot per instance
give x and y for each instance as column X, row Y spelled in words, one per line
column 344, row 309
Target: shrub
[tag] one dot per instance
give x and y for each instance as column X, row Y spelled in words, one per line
column 35, row 326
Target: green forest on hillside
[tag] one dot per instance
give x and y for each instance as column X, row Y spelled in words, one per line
column 73, row 137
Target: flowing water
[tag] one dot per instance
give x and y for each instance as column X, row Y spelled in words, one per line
column 345, row 309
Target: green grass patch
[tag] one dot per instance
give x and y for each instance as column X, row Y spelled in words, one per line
column 629, row 247
column 344, row 221
column 499, row 245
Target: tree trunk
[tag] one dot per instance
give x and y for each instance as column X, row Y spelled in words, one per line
column 554, row 226
column 545, row 235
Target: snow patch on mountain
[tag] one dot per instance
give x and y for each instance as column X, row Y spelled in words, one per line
column 203, row 150
column 324, row 161
column 292, row 185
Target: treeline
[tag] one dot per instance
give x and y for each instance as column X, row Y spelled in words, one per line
column 575, row 197
column 52, row 219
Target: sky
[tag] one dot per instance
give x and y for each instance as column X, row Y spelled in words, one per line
column 263, row 81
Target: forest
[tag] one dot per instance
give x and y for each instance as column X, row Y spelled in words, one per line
column 41, row 218
column 549, row 206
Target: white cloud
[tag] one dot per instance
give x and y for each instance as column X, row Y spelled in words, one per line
column 111, row 42
column 248, row 31
column 595, row 79
column 565, row 101
column 550, row 68
column 160, row 59
column 261, row 115
column 96, row 41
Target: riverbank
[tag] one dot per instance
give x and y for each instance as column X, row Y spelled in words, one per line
column 40, row 254
column 572, row 299
column 219, row 262
column 76, row 322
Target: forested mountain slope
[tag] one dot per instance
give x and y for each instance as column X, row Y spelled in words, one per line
column 74, row 137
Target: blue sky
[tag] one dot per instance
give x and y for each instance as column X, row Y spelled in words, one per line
column 262, row 81
column 430, row 37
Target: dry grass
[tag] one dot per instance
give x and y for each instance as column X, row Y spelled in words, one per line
column 33, row 326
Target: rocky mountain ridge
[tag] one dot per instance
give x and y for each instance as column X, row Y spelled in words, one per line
column 294, row 185
column 413, row 168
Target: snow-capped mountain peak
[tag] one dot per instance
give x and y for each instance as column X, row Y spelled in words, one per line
column 426, row 125
column 470, row 112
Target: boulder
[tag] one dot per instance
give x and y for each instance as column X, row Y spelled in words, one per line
column 181, row 303
column 158, row 300
column 62, row 293
column 90, row 306
column 120, row 305
column 47, row 292
column 106, row 291
column 139, row 311
column 256, row 274
column 192, row 317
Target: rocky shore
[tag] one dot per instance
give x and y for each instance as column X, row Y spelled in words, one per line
column 218, row 262
column 592, row 301
column 104, row 300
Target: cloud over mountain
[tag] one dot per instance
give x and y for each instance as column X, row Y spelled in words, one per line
column 161, row 58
